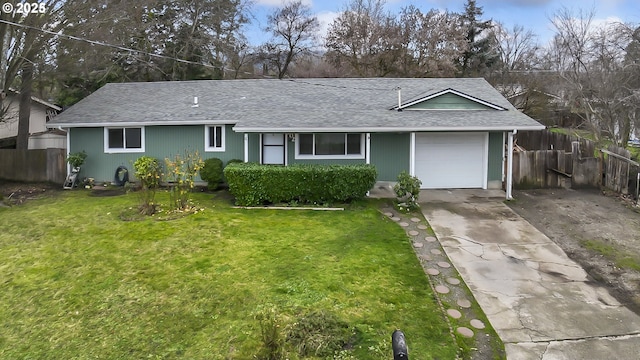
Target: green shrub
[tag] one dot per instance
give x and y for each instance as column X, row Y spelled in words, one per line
column 234, row 161
column 271, row 338
column 211, row 172
column 254, row 184
column 320, row 334
column 181, row 173
column 76, row 159
column 149, row 173
column 408, row 190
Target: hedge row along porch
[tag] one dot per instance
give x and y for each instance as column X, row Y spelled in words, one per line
column 451, row 133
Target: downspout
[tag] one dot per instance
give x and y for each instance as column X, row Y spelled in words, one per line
column 510, row 164
column 412, row 154
column 367, row 150
column 246, row 147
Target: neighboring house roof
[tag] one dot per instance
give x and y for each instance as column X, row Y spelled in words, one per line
column 39, row 101
column 296, row 105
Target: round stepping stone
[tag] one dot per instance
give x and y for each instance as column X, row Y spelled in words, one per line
column 415, row 219
column 442, row 289
column 466, row 332
column 464, row 303
column 453, row 281
column 436, row 252
column 477, row 324
column 444, row 264
column 422, row 227
column 389, row 214
column 454, row 313
column 432, row 271
column 413, row 233
column 417, row 245
column 430, row 239
column 395, row 218
column 403, row 224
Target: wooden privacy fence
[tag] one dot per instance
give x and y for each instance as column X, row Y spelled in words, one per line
column 547, row 140
column 558, row 160
column 554, row 168
column 616, row 166
column 44, row 165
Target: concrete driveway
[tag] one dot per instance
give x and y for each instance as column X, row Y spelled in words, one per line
column 541, row 303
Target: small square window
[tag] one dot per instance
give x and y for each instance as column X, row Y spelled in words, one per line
column 118, row 140
column 214, row 138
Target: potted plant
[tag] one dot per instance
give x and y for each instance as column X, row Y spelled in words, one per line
column 76, row 160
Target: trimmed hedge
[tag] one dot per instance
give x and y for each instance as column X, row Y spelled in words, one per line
column 254, row 184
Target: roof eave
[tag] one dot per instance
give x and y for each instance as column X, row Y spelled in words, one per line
column 139, row 123
column 249, row 129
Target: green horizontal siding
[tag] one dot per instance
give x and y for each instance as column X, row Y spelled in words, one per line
column 254, row 147
column 160, row 142
column 449, row 101
column 390, row 154
column 494, row 171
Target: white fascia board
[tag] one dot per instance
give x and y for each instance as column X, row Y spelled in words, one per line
column 450, row 91
column 385, row 129
column 145, row 123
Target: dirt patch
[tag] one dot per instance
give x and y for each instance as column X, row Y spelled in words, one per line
column 16, row 193
column 597, row 231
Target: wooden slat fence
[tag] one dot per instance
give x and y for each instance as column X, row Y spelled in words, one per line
column 551, row 157
column 547, row 140
column 616, row 166
column 531, row 169
column 45, row 165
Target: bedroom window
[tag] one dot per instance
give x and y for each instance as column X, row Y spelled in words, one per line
column 214, row 138
column 330, row 146
column 124, row 139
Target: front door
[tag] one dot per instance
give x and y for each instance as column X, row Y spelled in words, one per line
column 273, row 149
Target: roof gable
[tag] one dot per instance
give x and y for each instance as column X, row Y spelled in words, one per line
column 448, row 99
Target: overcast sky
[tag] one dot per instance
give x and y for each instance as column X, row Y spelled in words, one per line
column 532, row 14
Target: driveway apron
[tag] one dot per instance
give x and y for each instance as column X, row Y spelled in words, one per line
column 542, row 304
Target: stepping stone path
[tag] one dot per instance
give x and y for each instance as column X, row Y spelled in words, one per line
column 453, row 281
column 445, row 280
column 454, row 313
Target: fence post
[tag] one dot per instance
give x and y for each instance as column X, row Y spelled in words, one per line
column 399, row 345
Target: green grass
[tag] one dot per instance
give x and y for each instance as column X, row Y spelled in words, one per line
column 621, row 258
column 78, row 282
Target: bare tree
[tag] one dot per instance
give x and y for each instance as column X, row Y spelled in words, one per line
column 599, row 82
column 364, row 39
column 294, row 29
column 23, row 42
column 431, row 43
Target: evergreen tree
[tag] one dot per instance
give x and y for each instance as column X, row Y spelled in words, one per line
column 480, row 53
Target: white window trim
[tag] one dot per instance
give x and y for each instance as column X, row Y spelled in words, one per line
column 208, row 148
column 108, row 150
column 360, row 156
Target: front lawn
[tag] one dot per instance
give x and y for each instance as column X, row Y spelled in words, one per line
column 77, row 282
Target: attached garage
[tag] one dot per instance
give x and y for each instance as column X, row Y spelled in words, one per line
column 453, row 160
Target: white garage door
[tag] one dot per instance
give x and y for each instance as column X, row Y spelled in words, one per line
column 451, row 160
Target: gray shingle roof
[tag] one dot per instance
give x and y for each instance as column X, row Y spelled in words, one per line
column 292, row 105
